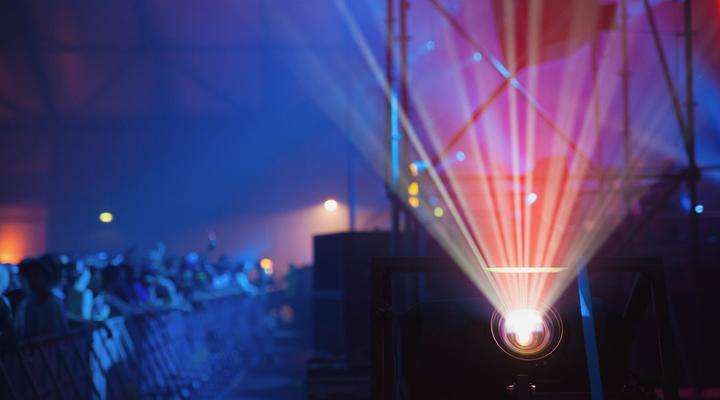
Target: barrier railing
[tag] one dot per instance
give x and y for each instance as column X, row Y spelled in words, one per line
column 158, row 354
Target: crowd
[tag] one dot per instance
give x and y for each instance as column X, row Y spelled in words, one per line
column 50, row 294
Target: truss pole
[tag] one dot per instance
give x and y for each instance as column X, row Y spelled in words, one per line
column 625, row 76
column 689, row 83
column 677, row 107
column 595, row 55
column 404, row 98
column 392, row 128
column 694, row 174
column 352, row 190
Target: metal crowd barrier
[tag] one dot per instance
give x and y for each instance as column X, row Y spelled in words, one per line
column 154, row 355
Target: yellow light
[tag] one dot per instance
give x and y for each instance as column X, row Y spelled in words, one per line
column 439, row 212
column 330, row 205
column 266, row 264
column 413, row 189
column 105, row 217
column 414, row 202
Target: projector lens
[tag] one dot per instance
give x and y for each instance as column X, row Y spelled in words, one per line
column 524, row 327
column 527, row 334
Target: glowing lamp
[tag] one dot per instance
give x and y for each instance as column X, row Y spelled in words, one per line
column 523, row 325
column 105, row 217
column 330, row 205
column 414, row 202
column 438, row 212
column 413, row 189
column 526, row 333
column 266, row 264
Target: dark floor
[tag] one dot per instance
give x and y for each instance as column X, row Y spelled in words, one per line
column 279, row 376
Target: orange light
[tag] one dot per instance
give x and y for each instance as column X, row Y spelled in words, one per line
column 22, row 231
column 14, row 242
column 414, row 202
column 266, row 263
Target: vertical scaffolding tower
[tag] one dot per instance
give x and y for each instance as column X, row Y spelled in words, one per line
column 397, row 48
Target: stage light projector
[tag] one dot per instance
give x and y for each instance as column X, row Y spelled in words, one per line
column 456, row 344
column 527, row 334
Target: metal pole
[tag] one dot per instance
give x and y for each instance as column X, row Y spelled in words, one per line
column 403, row 39
column 693, row 170
column 594, row 55
column 392, row 128
column 694, row 174
column 351, row 188
column 588, row 324
column 677, row 107
column 689, row 85
column 666, row 340
column 625, row 76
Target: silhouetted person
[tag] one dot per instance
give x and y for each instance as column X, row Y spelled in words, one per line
column 41, row 312
column 78, row 297
column 7, row 332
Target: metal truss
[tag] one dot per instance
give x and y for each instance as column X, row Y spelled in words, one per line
column 685, row 117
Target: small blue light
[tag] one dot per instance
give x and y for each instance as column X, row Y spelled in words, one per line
column 477, row 56
column 460, row 156
column 430, row 45
column 699, row 209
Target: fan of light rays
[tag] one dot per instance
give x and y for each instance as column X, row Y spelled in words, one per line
column 538, row 181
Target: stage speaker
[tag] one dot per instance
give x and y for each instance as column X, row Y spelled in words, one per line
column 342, row 295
